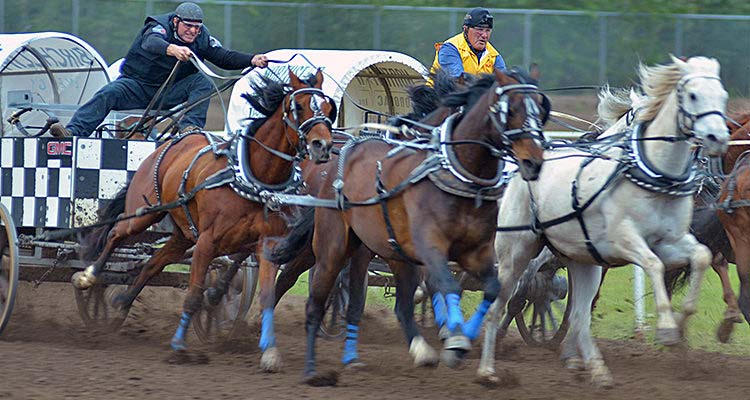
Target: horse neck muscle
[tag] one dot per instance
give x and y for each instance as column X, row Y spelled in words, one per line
column 268, row 167
column 475, row 125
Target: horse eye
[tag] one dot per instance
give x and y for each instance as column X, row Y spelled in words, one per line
column 693, row 97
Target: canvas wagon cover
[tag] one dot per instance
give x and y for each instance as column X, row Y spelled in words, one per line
column 46, row 68
column 376, row 80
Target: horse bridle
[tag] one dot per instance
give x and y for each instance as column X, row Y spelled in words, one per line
column 684, row 115
column 318, row 117
column 532, row 125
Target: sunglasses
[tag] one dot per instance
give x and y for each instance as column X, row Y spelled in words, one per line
column 192, row 25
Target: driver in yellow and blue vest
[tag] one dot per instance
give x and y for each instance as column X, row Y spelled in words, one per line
column 469, row 51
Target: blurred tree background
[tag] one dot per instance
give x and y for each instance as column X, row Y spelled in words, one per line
column 583, row 42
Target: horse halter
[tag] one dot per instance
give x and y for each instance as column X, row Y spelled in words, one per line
column 532, row 125
column 317, row 97
column 684, row 115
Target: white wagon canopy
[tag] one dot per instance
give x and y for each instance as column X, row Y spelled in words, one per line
column 355, row 79
column 51, row 72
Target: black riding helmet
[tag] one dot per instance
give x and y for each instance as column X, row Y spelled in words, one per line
column 190, row 12
column 478, row 18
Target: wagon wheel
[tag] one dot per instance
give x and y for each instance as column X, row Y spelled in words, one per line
column 544, row 320
column 95, row 307
column 225, row 320
column 8, row 266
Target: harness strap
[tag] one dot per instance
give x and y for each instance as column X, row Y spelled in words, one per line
column 380, row 187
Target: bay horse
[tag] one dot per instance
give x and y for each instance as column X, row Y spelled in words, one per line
column 723, row 224
column 613, row 206
column 221, row 217
column 390, row 208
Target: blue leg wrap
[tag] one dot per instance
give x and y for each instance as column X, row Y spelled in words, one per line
column 438, row 306
column 178, row 340
column 350, row 345
column 455, row 317
column 474, row 324
column 267, row 337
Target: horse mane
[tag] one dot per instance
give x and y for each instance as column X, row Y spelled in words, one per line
column 267, row 97
column 658, row 81
column 521, row 75
column 613, row 104
column 471, row 94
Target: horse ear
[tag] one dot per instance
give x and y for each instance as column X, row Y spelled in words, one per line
column 319, row 78
column 501, row 78
column 534, row 72
column 294, row 79
column 680, row 63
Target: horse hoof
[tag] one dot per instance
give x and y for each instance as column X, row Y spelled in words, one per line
column 668, row 336
column 270, row 361
column 452, row 358
column 424, row 355
column 182, row 357
column 486, row 377
column 724, row 333
column 329, row 378
column 355, row 365
column 601, row 378
column 83, row 280
column 457, row 342
column 574, row 363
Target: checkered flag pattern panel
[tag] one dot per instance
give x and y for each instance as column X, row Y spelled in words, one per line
column 48, row 182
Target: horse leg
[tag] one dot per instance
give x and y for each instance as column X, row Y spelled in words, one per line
column 743, row 273
column 732, row 314
column 123, row 229
column 220, row 288
column 360, row 261
column 586, row 280
column 517, row 302
column 173, row 251
column 329, row 261
column 482, row 261
column 735, row 229
column 204, row 253
column 514, row 254
column 292, row 271
column 270, row 361
column 407, row 279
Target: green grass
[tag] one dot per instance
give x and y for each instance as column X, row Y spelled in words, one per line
column 614, row 316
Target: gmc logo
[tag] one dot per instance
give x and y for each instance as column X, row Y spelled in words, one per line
column 59, row 148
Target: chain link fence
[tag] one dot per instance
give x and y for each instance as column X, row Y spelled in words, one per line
column 572, row 48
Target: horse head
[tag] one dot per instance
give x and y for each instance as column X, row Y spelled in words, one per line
column 311, row 113
column 701, row 103
column 518, row 111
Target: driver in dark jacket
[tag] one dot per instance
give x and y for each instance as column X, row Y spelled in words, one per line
column 163, row 41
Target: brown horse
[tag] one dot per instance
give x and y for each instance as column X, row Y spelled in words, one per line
column 725, row 231
column 392, row 209
column 734, row 213
column 210, row 214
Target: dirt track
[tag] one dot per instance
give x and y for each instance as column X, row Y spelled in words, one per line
column 46, row 354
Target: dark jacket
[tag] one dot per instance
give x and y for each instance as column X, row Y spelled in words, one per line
column 147, row 60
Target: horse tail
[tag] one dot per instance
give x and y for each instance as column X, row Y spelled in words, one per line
column 676, row 279
column 299, row 237
column 92, row 243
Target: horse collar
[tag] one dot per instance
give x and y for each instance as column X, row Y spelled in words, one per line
column 645, row 175
column 246, row 184
column 452, row 164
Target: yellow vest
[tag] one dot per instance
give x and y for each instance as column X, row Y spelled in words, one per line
column 468, row 58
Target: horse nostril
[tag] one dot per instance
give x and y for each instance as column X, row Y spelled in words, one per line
column 711, row 138
column 317, row 144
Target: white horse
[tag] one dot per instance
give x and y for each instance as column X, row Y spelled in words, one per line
column 634, row 207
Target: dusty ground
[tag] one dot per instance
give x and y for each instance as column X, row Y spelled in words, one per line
column 46, row 354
